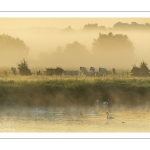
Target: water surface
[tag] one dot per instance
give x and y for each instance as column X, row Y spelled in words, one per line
column 73, row 119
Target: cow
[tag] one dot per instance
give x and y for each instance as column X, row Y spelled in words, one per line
column 89, row 73
column 5, row 72
column 83, row 69
column 71, row 72
column 13, row 70
column 92, row 69
column 114, row 70
column 102, row 72
column 38, row 73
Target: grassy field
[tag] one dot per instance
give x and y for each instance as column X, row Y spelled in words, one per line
column 65, row 91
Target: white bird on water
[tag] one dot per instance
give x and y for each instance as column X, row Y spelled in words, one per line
column 109, row 117
column 105, row 104
column 97, row 101
column 39, row 111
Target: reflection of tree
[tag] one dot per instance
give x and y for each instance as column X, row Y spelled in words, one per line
column 12, row 48
column 113, row 47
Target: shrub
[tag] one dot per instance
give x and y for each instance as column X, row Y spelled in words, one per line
column 23, row 68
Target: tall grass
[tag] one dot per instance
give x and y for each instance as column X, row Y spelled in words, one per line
column 66, row 91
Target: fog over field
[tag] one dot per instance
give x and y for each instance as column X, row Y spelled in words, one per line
column 71, row 43
column 43, row 88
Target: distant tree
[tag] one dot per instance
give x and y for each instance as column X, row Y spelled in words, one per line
column 122, row 26
column 68, row 29
column 12, row 49
column 144, row 68
column 135, row 71
column 75, row 48
column 140, row 71
column 111, row 43
column 73, row 54
column 76, row 53
column 93, row 27
column 23, row 68
column 54, row 71
column 115, row 48
column 132, row 26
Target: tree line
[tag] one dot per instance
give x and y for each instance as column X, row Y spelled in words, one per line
column 106, row 48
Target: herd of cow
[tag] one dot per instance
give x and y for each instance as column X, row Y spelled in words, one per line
column 83, row 70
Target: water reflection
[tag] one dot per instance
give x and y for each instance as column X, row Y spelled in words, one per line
column 70, row 120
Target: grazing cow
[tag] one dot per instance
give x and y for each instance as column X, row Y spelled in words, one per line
column 114, row 70
column 38, row 73
column 92, row 69
column 13, row 70
column 72, row 72
column 102, row 72
column 89, row 73
column 5, row 72
column 83, row 69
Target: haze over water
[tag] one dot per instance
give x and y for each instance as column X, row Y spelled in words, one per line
column 59, row 120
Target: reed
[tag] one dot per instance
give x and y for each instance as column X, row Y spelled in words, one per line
column 62, row 91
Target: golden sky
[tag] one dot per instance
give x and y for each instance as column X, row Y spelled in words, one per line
column 75, row 23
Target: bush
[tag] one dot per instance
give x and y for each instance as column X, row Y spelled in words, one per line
column 140, row 71
column 23, row 68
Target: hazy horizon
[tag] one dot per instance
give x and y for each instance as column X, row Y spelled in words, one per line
column 45, row 35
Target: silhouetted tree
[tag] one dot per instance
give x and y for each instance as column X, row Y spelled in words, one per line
column 132, row 26
column 73, row 54
column 54, row 71
column 135, row 71
column 23, row 68
column 144, row 68
column 93, row 27
column 12, row 49
column 76, row 53
column 114, row 48
column 140, row 71
column 68, row 29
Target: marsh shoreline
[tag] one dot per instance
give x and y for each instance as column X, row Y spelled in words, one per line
column 130, row 91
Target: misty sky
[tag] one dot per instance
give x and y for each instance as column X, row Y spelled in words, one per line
column 75, row 23
column 47, row 41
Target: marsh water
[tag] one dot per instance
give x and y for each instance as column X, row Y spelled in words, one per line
column 74, row 119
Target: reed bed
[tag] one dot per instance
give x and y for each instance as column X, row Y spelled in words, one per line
column 66, row 90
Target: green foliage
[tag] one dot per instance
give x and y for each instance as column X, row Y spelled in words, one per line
column 74, row 92
column 23, row 68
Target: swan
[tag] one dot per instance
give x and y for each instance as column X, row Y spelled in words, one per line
column 105, row 104
column 109, row 117
column 81, row 114
column 39, row 111
column 97, row 101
